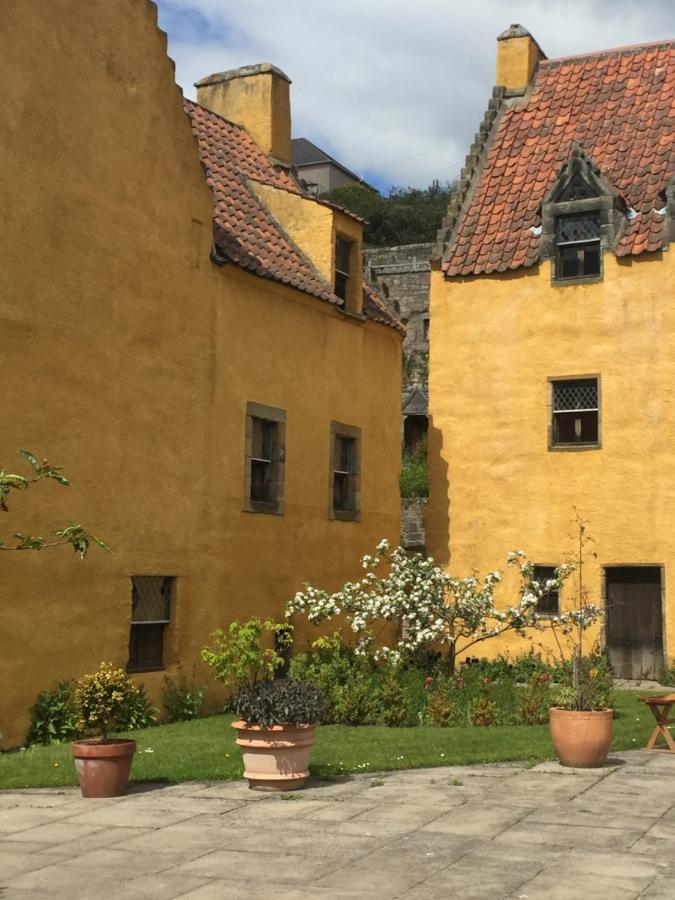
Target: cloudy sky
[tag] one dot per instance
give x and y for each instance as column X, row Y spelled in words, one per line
column 394, row 91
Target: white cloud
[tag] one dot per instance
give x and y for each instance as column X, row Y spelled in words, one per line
column 393, row 89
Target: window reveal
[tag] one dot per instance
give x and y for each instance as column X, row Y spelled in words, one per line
column 262, row 460
column 577, row 240
column 343, row 253
column 150, row 615
column 575, row 412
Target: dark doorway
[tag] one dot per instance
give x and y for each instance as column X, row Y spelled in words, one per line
column 635, row 621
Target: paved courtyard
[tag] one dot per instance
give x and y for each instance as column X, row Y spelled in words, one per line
column 494, row 831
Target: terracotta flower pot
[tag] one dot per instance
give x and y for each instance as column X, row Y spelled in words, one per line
column 582, row 739
column 103, row 766
column 275, row 758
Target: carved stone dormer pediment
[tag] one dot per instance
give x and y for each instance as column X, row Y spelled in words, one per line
column 580, row 179
column 580, row 190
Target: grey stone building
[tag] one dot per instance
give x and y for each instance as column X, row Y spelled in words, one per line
column 402, row 274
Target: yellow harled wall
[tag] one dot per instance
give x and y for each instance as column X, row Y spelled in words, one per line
column 494, row 485
column 128, row 357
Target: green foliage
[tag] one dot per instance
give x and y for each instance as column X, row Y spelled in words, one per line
column 75, row 535
column 405, row 216
column 52, row 716
column 338, row 673
column 182, row 699
column 535, row 700
column 520, row 668
column 280, row 701
column 414, row 480
column 139, row 713
column 239, row 657
column 108, row 700
column 588, row 686
column 393, row 699
column 205, row 750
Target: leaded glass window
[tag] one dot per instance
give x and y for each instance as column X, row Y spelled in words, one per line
column 577, row 239
column 575, row 412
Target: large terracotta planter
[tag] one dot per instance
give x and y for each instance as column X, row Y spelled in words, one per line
column 103, row 766
column 275, row 758
column 582, row 739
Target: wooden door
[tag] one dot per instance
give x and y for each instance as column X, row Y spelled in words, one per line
column 634, row 621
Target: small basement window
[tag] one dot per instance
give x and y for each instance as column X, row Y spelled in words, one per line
column 150, row 615
column 264, row 481
column 343, row 259
column 549, row 601
column 344, row 472
column 577, row 241
column 575, row 413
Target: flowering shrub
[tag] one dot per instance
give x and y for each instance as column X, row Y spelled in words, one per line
column 102, row 701
column 434, row 607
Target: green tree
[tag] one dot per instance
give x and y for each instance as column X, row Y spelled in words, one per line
column 406, row 215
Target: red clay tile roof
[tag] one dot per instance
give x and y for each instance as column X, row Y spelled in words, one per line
column 244, row 232
column 619, row 105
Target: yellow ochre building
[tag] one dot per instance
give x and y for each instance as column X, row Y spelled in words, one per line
column 189, row 336
column 552, row 363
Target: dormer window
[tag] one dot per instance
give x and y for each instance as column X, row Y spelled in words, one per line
column 582, row 217
column 577, row 241
column 343, row 259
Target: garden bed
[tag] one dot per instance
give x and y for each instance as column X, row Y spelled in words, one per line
column 204, row 749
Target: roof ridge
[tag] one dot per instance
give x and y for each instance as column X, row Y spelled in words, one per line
column 595, row 54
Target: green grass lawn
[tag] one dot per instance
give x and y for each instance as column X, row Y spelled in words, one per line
column 204, row 749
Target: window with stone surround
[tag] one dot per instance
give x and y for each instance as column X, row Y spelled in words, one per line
column 264, row 459
column 150, row 615
column 575, row 413
column 345, row 472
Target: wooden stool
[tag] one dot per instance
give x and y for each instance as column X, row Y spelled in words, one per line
column 660, row 707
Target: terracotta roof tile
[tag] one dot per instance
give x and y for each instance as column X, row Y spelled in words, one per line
column 244, row 232
column 620, row 107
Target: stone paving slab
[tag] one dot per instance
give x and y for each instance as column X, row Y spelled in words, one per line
column 504, row 832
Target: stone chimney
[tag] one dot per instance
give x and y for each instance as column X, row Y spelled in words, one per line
column 257, row 97
column 517, row 57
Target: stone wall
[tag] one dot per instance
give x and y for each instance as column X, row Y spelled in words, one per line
column 413, row 533
column 402, row 275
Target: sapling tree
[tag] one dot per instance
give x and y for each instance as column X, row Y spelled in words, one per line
column 75, row 535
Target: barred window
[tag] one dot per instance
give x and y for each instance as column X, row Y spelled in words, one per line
column 575, row 412
column 549, row 601
column 345, row 453
column 150, row 614
column 577, row 240
column 265, row 453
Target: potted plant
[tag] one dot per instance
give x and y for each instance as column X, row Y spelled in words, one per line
column 581, row 716
column 102, row 702
column 276, row 717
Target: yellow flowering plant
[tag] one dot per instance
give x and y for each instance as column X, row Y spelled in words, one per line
column 102, row 700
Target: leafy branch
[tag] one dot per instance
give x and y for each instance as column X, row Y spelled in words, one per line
column 75, row 535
